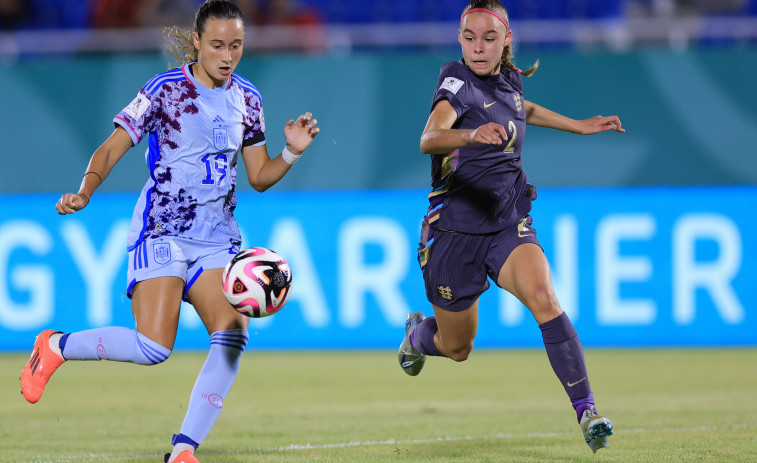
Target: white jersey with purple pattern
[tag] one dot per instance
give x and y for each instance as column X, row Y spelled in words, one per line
column 195, row 135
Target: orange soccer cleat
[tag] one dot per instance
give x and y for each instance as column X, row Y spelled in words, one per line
column 184, row 457
column 40, row 367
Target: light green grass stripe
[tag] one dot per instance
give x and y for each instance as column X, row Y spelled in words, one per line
column 498, row 436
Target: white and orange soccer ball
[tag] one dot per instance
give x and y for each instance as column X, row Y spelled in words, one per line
column 257, row 282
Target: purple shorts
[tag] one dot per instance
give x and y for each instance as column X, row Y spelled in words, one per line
column 456, row 265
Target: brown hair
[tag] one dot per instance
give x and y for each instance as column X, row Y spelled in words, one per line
column 496, row 6
column 181, row 42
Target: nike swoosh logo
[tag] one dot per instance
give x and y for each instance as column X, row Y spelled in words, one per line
column 573, row 384
column 487, row 105
column 523, row 230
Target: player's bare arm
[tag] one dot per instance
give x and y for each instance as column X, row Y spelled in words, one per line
column 543, row 117
column 439, row 137
column 100, row 165
column 262, row 171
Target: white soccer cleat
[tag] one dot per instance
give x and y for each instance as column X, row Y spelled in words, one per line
column 411, row 360
column 596, row 429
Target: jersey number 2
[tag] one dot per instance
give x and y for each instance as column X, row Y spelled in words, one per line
column 215, row 164
column 514, row 134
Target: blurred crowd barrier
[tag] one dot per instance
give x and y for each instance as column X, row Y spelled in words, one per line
column 34, row 27
column 82, row 14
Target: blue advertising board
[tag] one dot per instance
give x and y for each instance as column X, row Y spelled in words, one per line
column 631, row 267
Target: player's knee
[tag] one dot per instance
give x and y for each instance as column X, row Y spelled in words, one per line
column 159, row 360
column 152, row 362
column 460, row 352
column 541, row 300
column 152, row 352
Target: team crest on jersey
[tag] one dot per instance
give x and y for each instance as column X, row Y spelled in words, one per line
column 518, row 102
column 162, row 252
column 220, row 138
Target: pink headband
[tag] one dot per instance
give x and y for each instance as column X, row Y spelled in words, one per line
column 486, row 11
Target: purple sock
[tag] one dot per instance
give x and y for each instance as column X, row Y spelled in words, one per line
column 422, row 337
column 567, row 359
column 584, row 404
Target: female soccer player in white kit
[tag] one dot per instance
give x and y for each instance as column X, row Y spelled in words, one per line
column 198, row 118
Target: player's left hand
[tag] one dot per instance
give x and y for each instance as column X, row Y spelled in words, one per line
column 598, row 124
column 300, row 133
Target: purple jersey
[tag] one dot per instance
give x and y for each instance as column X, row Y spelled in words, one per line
column 481, row 188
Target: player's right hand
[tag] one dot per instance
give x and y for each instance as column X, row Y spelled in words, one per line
column 70, row 203
column 490, row 133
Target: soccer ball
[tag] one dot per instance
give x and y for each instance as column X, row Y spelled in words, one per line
column 257, row 282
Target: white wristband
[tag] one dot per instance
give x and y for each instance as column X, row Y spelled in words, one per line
column 289, row 157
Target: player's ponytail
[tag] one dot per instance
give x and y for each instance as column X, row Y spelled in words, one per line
column 180, row 42
column 508, row 62
column 498, row 9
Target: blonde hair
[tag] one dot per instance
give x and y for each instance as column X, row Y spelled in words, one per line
column 180, row 42
column 508, row 58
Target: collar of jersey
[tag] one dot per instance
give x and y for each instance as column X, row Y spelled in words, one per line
column 201, row 89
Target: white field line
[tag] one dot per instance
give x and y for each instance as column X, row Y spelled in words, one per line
column 308, row 446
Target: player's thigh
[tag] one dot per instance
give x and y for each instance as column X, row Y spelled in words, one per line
column 207, row 297
column 526, row 275
column 457, row 329
column 155, row 303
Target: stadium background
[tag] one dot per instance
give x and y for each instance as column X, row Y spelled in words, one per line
column 652, row 234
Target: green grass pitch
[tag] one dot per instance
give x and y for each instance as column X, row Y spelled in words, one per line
column 676, row 405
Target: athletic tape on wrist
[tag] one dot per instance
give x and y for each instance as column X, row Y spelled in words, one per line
column 289, row 157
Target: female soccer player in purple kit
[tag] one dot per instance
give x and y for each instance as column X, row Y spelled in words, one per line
column 478, row 221
column 198, row 118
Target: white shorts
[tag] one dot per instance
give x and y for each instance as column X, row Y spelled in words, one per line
column 173, row 256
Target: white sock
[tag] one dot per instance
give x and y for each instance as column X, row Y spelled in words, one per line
column 177, row 449
column 116, row 343
column 213, row 383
